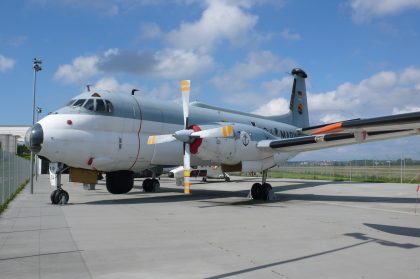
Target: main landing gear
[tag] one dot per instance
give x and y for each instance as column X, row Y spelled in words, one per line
column 58, row 196
column 151, row 185
column 261, row 191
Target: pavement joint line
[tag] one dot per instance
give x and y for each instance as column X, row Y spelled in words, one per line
column 75, row 244
column 34, row 230
column 39, row 255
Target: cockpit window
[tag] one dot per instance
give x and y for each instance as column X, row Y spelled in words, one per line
column 79, row 103
column 109, row 107
column 70, row 103
column 94, row 104
column 100, row 105
column 89, row 105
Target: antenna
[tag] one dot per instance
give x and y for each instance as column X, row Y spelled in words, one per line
column 133, row 91
column 88, row 87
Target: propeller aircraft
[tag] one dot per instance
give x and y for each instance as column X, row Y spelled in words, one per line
column 120, row 134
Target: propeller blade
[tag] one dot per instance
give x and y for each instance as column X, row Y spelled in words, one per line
column 187, row 168
column 222, row 132
column 160, row 139
column 185, row 89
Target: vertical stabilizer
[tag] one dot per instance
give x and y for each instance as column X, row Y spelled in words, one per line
column 298, row 114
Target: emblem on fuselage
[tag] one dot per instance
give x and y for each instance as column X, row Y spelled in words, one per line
column 245, row 138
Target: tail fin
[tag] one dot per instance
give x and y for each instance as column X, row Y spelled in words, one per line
column 298, row 114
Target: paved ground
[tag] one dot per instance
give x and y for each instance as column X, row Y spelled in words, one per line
column 314, row 230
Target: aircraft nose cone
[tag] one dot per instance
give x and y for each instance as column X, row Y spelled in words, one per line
column 34, row 138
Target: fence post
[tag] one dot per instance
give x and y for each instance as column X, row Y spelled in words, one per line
column 2, row 177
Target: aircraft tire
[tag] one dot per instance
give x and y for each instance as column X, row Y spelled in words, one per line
column 119, row 182
column 62, row 197
column 265, row 191
column 256, row 191
column 155, row 185
column 227, row 179
column 148, row 185
column 52, row 196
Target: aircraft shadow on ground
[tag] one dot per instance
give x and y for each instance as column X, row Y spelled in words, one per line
column 207, row 195
column 365, row 239
column 405, row 231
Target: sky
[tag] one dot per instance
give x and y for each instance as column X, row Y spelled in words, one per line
column 361, row 57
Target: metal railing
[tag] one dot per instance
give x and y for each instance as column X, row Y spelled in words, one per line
column 14, row 171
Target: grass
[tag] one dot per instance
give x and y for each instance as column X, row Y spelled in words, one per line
column 354, row 174
column 336, row 177
column 18, row 190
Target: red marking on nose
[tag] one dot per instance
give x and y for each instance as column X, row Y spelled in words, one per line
column 90, row 161
column 69, row 122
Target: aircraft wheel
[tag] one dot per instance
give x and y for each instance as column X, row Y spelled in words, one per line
column 256, row 191
column 119, row 182
column 265, row 191
column 52, row 196
column 227, row 179
column 155, row 185
column 204, row 179
column 148, row 185
column 62, row 197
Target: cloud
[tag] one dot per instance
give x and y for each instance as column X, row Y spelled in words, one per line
column 278, row 86
column 101, row 7
column 383, row 93
column 405, row 109
column 273, row 107
column 167, row 63
column 81, row 68
column 111, row 84
column 364, row 10
column 181, row 64
column 6, row 63
column 257, row 64
column 150, row 30
column 221, row 20
column 290, row 36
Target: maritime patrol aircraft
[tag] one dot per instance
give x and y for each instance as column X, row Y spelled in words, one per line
column 120, row 134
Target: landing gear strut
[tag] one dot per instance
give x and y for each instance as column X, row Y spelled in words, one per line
column 261, row 191
column 58, row 196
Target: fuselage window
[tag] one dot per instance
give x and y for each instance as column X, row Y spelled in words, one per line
column 89, row 105
column 109, row 107
column 79, row 103
column 100, row 105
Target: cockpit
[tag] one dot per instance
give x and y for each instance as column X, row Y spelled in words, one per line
column 96, row 104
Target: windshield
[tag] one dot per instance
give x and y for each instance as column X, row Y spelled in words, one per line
column 93, row 104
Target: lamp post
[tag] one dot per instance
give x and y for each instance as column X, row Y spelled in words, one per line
column 37, row 67
column 38, row 111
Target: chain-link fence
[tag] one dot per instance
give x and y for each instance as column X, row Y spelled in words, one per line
column 14, row 171
column 362, row 170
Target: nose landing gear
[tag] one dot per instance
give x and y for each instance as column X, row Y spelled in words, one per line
column 58, row 196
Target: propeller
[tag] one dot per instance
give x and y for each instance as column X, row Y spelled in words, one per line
column 187, row 136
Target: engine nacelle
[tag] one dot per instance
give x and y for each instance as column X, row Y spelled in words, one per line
column 231, row 151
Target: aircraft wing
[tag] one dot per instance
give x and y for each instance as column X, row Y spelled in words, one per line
column 384, row 123
column 348, row 132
